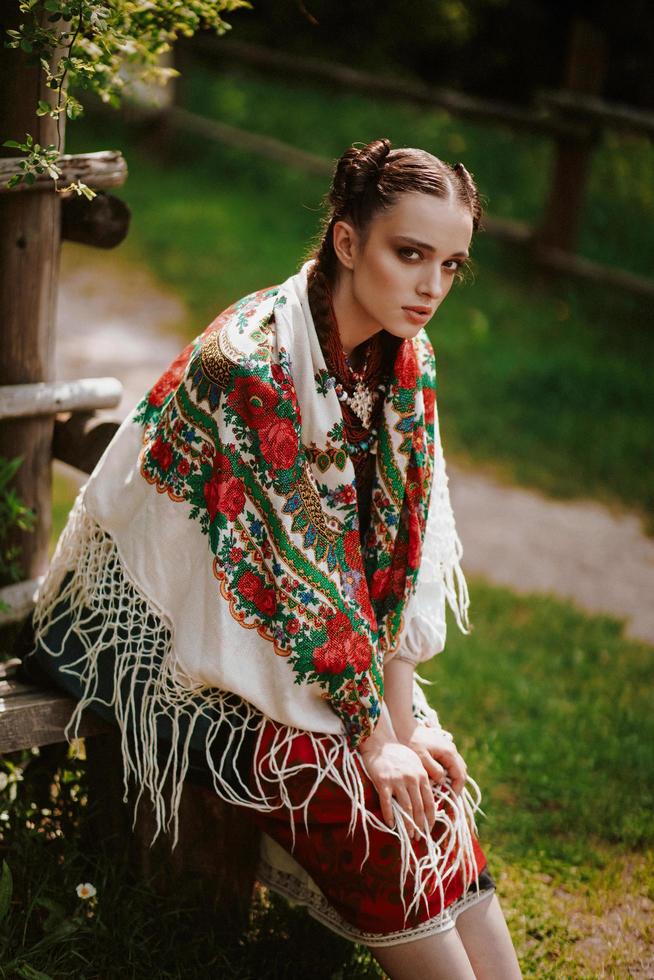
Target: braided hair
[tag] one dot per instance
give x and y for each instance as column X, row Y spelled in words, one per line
column 368, row 180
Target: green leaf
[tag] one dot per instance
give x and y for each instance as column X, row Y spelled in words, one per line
column 6, row 889
column 14, row 144
column 25, row 45
column 29, row 178
column 43, row 107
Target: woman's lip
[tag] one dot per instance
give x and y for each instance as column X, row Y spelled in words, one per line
column 417, row 315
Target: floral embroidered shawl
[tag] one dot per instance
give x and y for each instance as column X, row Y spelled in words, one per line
column 212, row 562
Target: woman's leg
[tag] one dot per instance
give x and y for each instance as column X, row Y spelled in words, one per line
column 487, row 941
column 438, row 957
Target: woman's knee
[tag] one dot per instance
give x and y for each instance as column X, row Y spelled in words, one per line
column 441, row 956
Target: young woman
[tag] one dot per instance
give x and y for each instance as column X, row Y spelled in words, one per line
column 263, row 555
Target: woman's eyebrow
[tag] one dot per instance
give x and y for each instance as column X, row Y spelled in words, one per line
column 427, row 248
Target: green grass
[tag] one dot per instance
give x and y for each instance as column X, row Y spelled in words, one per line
column 543, row 381
column 551, row 710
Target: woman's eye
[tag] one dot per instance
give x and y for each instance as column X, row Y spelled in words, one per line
column 411, row 251
column 455, row 265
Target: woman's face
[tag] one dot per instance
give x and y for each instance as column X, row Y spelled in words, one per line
column 405, row 268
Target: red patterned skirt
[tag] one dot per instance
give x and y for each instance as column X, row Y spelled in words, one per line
column 357, row 896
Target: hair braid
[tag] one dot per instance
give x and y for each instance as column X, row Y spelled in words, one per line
column 470, row 193
column 367, row 180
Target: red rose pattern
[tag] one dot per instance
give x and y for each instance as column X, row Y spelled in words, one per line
column 254, row 400
column 415, row 540
column 343, row 647
column 279, row 443
column 262, row 596
column 171, row 378
column 162, row 451
column 224, row 493
column 429, row 396
column 406, row 366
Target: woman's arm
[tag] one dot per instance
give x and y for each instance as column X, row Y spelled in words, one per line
column 435, row 750
column 398, row 695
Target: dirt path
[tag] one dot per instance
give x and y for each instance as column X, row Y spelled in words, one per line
column 577, row 550
column 114, row 319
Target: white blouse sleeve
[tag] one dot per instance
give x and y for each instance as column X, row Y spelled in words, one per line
column 441, row 581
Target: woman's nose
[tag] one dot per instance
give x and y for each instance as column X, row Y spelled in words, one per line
column 432, row 285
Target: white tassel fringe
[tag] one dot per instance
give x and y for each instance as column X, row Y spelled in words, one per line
column 100, row 582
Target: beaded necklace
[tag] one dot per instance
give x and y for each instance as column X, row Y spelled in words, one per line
column 358, row 391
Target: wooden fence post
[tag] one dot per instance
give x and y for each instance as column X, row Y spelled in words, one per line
column 29, row 267
column 585, row 72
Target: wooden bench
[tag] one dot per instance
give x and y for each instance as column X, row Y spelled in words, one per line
column 218, row 842
column 32, row 716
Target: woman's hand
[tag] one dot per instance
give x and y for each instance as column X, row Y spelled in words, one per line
column 438, row 754
column 397, row 772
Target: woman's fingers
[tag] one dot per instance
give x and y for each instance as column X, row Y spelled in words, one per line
column 458, row 774
column 418, row 805
column 433, row 768
column 404, row 799
column 385, row 797
column 429, row 803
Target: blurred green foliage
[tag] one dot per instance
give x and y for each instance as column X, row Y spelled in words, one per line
column 543, row 379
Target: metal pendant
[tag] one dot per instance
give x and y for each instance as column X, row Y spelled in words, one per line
column 361, row 402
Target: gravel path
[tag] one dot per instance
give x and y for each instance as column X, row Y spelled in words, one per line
column 114, row 319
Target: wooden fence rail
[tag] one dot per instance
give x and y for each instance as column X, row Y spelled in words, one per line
column 573, row 117
column 106, row 168
column 554, row 112
column 50, row 397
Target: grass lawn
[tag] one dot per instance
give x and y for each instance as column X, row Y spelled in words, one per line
column 550, row 708
column 544, row 381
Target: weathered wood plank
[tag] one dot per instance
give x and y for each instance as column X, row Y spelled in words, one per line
column 106, row 168
column 265, row 146
column 40, row 719
column 586, row 65
column 592, row 108
column 50, row 397
column 32, row 715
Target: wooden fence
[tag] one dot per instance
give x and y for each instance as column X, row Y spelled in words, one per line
column 573, row 117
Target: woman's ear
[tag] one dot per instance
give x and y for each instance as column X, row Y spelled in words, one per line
column 346, row 242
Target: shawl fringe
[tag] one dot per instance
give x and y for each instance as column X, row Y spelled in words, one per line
column 101, row 582
column 447, row 544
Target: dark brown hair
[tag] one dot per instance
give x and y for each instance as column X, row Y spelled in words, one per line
column 372, row 178
column 365, row 182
